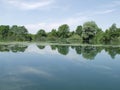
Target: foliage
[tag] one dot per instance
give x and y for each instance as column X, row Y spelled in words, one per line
column 3, row 32
column 41, row 35
column 88, row 33
column 79, row 30
column 75, row 38
column 63, row 31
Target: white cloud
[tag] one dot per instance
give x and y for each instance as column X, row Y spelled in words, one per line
column 105, row 11
column 72, row 22
column 27, row 5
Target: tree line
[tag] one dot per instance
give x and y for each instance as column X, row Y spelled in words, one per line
column 89, row 32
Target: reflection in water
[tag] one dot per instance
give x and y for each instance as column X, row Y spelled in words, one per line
column 64, row 50
column 88, row 52
column 112, row 51
column 13, row 48
column 40, row 46
column 59, row 67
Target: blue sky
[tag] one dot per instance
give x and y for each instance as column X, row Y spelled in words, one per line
column 48, row 14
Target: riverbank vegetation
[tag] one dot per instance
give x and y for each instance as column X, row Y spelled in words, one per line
column 88, row 33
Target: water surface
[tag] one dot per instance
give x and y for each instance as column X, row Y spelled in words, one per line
column 59, row 67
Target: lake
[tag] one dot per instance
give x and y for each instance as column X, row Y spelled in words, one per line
column 59, row 67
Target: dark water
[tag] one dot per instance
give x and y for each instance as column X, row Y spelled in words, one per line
column 37, row 67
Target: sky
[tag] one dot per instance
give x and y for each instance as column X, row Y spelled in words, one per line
column 49, row 14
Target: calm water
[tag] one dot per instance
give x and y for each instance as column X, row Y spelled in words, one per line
column 38, row 67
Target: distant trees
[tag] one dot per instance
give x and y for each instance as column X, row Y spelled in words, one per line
column 18, row 33
column 89, row 32
column 14, row 33
column 112, row 35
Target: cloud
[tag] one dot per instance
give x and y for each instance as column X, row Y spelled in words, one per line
column 27, row 5
column 105, row 11
column 72, row 22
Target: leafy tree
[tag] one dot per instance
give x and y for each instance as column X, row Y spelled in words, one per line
column 41, row 32
column 63, row 31
column 41, row 35
column 112, row 34
column 4, row 29
column 98, row 39
column 54, row 32
column 79, row 30
column 18, row 33
column 89, row 30
column 52, row 36
column 75, row 38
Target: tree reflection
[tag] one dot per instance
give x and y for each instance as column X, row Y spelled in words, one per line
column 13, row 48
column 87, row 52
column 78, row 49
column 53, row 47
column 90, row 52
column 4, row 48
column 112, row 51
column 41, row 46
column 64, row 50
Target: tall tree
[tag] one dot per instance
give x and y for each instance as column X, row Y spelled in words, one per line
column 89, row 30
column 18, row 33
column 79, row 30
column 4, row 29
column 63, row 31
column 41, row 35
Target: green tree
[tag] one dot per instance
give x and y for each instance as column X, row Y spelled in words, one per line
column 41, row 35
column 98, row 39
column 4, row 29
column 18, row 33
column 63, row 31
column 52, row 36
column 89, row 31
column 112, row 35
column 79, row 30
